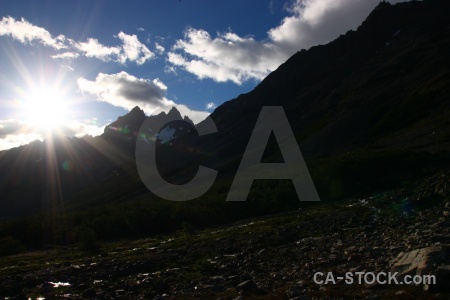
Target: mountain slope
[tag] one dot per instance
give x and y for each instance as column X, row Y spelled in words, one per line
column 364, row 89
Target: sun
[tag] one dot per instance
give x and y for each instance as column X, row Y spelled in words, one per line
column 45, row 108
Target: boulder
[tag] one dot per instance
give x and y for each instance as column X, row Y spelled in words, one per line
column 421, row 261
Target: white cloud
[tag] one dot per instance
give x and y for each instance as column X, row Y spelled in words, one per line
column 79, row 129
column 66, row 55
column 160, row 49
column 318, row 22
column 140, row 29
column 92, row 48
column 14, row 133
column 26, row 32
column 130, row 50
column 14, row 126
column 210, row 105
column 133, row 50
column 127, row 91
column 16, row 140
column 229, row 57
column 170, row 69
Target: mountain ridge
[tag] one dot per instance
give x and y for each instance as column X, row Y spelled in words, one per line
column 350, row 51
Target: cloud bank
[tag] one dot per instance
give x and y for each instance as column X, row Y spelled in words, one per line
column 127, row 91
column 130, row 49
column 229, row 57
column 14, row 133
column 28, row 33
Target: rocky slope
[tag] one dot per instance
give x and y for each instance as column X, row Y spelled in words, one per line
column 274, row 257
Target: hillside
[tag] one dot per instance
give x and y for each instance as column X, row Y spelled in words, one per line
column 271, row 257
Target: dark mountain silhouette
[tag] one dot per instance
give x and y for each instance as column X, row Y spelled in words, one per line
column 44, row 175
column 384, row 86
column 125, row 129
column 367, row 109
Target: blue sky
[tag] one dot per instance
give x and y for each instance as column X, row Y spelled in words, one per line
column 75, row 66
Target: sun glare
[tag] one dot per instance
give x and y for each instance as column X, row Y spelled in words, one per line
column 45, row 108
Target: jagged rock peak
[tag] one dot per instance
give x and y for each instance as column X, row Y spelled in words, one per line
column 137, row 110
column 174, row 112
column 186, row 118
column 136, row 114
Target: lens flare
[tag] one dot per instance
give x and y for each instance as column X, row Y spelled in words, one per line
column 67, row 165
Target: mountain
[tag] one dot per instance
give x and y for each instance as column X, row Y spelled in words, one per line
column 369, row 111
column 125, row 128
column 384, row 86
column 46, row 175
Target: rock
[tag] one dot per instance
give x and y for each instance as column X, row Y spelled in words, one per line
column 247, row 285
column 218, row 278
column 421, row 261
column 350, row 249
column 264, row 271
column 121, row 292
